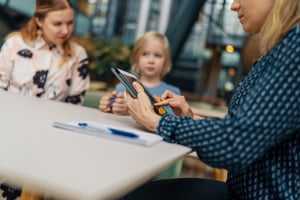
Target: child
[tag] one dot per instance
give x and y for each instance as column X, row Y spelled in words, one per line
column 151, row 61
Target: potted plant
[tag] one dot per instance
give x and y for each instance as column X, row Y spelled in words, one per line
column 104, row 54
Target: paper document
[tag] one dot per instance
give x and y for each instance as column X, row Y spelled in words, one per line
column 112, row 132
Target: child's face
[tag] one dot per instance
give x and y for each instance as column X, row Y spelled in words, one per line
column 152, row 60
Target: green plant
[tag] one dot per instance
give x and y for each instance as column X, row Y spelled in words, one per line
column 104, row 54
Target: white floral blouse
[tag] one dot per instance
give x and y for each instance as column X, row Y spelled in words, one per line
column 36, row 69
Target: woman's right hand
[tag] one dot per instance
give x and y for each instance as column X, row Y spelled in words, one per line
column 141, row 109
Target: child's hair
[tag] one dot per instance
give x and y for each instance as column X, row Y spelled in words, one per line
column 139, row 47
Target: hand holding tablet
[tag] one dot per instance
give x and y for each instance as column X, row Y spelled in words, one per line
column 127, row 79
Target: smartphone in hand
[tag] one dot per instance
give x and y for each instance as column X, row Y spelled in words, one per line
column 127, row 79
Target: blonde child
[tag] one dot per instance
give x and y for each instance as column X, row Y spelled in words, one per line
column 151, row 61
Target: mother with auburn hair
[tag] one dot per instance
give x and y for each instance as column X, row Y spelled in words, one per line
column 42, row 60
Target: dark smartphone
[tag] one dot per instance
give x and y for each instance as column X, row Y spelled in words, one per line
column 127, row 79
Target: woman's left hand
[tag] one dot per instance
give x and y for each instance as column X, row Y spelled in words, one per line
column 141, row 109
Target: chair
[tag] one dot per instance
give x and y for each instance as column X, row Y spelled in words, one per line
column 91, row 99
column 29, row 195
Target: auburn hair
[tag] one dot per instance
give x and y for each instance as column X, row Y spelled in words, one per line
column 42, row 8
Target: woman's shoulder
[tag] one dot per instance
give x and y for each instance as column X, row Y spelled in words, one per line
column 293, row 36
column 14, row 37
column 77, row 49
column 76, row 46
column 15, row 42
column 296, row 29
column 290, row 44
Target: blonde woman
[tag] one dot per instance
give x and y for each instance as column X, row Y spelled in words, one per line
column 258, row 141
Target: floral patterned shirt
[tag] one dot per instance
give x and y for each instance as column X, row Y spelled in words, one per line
column 258, row 141
column 36, row 69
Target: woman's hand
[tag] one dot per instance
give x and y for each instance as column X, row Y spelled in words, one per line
column 141, row 109
column 114, row 103
column 178, row 104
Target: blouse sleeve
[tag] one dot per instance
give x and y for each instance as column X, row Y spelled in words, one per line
column 6, row 66
column 80, row 82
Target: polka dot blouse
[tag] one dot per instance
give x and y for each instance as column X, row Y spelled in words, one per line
column 258, row 141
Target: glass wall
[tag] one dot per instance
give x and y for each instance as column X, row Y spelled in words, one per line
column 209, row 63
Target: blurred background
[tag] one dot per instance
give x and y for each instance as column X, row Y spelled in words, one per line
column 211, row 52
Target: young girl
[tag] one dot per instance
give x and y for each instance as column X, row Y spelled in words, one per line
column 151, row 61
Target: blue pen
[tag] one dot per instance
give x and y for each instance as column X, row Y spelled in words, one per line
column 111, row 130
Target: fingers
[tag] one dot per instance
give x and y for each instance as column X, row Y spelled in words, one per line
column 168, row 98
column 167, row 94
column 141, row 110
column 138, row 87
column 104, row 103
column 120, row 106
column 114, row 103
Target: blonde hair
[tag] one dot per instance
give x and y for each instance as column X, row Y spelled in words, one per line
column 284, row 16
column 43, row 7
column 139, row 47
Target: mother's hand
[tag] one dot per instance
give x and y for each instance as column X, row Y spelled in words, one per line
column 178, row 103
column 141, row 109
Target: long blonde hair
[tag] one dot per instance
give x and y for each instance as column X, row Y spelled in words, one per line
column 139, row 47
column 284, row 16
column 43, row 7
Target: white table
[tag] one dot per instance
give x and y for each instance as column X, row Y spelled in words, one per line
column 70, row 165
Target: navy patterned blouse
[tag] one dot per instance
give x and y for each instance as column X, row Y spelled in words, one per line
column 258, row 141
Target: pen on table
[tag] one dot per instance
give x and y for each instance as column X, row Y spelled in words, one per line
column 109, row 130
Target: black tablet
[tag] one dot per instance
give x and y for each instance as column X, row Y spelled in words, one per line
column 127, row 79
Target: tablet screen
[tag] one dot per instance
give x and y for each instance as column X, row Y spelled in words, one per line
column 126, row 79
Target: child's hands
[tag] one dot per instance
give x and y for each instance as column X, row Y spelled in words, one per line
column 118, row 105
column 105, row 101
column 114, row 103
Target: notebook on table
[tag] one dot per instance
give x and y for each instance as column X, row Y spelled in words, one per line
column 111, row 132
